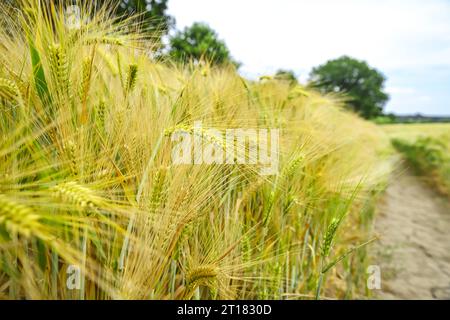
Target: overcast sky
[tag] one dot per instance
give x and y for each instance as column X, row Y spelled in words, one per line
column 408, row 40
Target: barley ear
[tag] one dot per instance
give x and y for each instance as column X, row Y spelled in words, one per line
column 268, row 211
column 100, row 110
column 59, row 64
column 108, row 40
column 85, row 79
column 70, row 152
column 131, row 78
column 75, row 194
column 10, row 91
column 17, row 218
column 329, row 237
column 201, row 275
column 246, row 249
column 290, row 169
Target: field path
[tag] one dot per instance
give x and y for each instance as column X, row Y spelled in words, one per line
column 413, row 224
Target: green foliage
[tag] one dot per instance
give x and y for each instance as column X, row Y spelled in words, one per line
column 38, row 74
column 152, row 14
column 430, row 156
column 286, row 75
column 199, row 42
column 385, row 119
column 362, row 84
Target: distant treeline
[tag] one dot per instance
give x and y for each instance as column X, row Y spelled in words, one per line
column 417, row 118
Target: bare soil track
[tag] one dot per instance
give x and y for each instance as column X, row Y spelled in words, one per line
column 413, row 224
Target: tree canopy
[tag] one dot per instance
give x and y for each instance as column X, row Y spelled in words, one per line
column 154, row 12
column 154, row 15
column 198, row 42
column 361, row 83
column 286, row 75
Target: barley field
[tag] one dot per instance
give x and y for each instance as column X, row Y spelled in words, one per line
column 412, row 131
column 93, row 207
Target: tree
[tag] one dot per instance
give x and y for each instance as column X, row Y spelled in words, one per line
column 199, row 42
column 153, row 12
column 363, row 85
column 154, row 16
column 286, row 75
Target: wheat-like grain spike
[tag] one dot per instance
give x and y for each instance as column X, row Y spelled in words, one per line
column 131, row 77
column 17, row 218
column 76, row 194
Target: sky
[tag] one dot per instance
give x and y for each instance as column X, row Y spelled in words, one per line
column 407, row 40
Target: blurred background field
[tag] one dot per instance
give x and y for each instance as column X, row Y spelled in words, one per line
column 426, row 147
column 412, row 131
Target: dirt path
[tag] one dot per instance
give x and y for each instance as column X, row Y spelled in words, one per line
column 413, row 224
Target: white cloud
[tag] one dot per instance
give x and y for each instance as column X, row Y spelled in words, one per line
column 425, row 98
column 402, row 38
column 266, row 34
column 400, row 90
